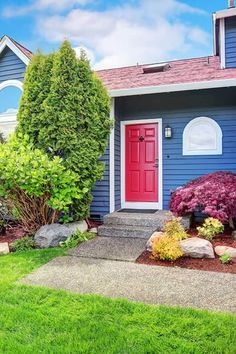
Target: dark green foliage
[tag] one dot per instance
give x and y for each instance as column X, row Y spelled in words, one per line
column 71, row 119
column 23, row 244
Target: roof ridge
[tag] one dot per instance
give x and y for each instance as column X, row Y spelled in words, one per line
column 160, row 62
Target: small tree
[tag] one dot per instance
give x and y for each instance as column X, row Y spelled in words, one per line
column 73, row 120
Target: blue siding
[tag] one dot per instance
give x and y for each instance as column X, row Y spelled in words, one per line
column 176, row 110
column 100, row 203
column 101, row 193
column 230, row 42
column 11, row 67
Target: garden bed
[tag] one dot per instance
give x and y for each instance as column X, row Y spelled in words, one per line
column 213, row 265
column 12, row 233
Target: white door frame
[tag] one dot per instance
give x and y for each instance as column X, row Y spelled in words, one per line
column 141, row 205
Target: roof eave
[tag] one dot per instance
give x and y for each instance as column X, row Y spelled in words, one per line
column 190, row 86
column 225, row 13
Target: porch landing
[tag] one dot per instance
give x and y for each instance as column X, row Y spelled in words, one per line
column 136, row 225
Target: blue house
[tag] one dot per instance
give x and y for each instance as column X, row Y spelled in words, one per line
column 174, row 121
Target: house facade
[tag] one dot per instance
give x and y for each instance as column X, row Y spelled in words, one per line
column 173, row 121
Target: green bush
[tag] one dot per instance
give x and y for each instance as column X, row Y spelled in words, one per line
column 37, row 188
column 225, row 259
column 76, row 238
column 23, row 244
column 65, row 110
column 210, row 228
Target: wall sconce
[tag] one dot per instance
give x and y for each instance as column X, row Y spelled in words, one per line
column 168, row 132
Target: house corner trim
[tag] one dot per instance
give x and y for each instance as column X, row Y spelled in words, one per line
column 112, row 159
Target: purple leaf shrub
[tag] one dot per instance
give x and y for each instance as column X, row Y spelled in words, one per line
column 213, row 194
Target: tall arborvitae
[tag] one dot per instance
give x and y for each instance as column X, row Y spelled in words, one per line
column 73, row 120
column 36, row 87
column 93, row 125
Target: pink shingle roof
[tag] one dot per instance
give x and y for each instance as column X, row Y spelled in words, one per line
column 24, row 50
column 181, row 71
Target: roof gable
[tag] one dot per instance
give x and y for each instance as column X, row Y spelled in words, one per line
column 22, row 53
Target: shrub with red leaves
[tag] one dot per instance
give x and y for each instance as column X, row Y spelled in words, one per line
column 213, row 194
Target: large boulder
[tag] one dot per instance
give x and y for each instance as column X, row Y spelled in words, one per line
column 4, row 248
column 230, row 251
column 51, row 235
column 196, row 247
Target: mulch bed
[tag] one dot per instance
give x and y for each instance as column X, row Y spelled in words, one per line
column 12, row 233
column 93, row 223
column 213, row 265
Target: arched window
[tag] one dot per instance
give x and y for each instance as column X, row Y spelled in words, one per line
column 202, row 136
column 10, row 93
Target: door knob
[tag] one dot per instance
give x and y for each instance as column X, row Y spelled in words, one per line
column 156, row 163
column 141, row 138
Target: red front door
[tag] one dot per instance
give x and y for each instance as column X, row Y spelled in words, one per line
column 141, row 165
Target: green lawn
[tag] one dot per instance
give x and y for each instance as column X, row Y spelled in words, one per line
column 39, row 320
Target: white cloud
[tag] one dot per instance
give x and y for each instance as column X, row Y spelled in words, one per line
column 41, row 5
column 148, row 32
column 89, row 53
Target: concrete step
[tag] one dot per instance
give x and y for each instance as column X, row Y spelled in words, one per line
column 155, row 221
column 125, row 231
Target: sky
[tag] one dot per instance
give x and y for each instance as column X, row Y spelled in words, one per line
column 114, row 33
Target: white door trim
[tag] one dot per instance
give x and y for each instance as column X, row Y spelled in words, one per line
column 140, row 205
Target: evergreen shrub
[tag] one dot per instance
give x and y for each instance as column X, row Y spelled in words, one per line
column 65, row 110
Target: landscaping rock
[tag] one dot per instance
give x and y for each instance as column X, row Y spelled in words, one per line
column 157, row 234
column 196, row 247
column 230, row 251
column 51, row 235
column 94, row 230
column 4, row 248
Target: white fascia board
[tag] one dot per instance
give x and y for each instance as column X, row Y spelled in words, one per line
column 201, row 85
column 6, row 42
column 225, row 13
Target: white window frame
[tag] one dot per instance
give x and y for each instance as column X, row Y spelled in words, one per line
column 219, row 136
column 10, row 118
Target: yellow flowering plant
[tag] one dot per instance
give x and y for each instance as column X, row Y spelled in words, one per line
column 210, row 228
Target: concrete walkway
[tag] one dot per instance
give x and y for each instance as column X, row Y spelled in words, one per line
column 118, row 248
column 149, row 284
